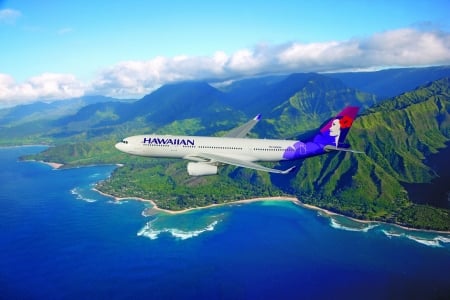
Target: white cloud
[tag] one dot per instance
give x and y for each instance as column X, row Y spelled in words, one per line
column 141, row 77
column 397, row 48
column 47, row 86
column 405, row 47
column 9, row 16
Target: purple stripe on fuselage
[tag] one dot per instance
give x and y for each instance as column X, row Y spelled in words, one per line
column 301, row 150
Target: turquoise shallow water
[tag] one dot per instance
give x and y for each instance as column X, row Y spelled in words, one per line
column 60, row 239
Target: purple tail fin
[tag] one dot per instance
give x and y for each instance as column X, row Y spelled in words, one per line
column 334, row 131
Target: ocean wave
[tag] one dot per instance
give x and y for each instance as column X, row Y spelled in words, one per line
column 152, row 233
column 432, row 241
column 115, row 202
column 360, row 227
column 443, row 239
column 391, row 234
column 77, row 192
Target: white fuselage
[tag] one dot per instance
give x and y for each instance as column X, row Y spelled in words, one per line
column 188, row 146
column 207, row 153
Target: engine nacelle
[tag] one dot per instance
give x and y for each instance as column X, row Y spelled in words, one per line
column 200, row 169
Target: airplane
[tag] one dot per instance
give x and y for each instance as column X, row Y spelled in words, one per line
column 206, row 154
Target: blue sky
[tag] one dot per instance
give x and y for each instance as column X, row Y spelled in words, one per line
column 62, row 49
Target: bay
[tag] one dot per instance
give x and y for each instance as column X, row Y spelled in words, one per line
column 60, row 239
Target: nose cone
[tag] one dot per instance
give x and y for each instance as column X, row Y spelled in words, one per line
column 120, row 146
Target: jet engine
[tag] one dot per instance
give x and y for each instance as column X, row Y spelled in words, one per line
column 200, row 169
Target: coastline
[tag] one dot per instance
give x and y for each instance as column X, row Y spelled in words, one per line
column 54, row 165
column 294, row 200
column 175, row 212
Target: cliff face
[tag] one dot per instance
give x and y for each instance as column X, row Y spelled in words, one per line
column 397, row 136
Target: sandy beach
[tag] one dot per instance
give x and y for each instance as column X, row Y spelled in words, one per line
column 173, row 212
column 53, row 164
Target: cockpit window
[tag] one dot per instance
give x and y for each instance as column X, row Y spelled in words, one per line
column 124, row 141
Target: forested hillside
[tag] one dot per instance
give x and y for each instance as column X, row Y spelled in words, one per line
column 398, row 135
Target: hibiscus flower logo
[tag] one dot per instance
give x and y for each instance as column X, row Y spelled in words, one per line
column 345, row 122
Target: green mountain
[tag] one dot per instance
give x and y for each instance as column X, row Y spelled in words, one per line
column 190, row 107
column 47, row 111
column 398, row 135
column 263, row 95
column 305, row 101
column 37, row 122
column 384, row 83
column 96, row 117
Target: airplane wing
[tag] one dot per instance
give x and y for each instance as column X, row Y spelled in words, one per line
column 244, row 129
column 211, row 158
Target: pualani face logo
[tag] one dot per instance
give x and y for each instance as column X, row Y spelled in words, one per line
column 168, row 141
column 339, row 124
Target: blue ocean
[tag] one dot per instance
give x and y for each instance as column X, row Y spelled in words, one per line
column 59, row 239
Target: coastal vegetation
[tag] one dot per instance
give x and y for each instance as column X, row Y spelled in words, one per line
column 396, row 134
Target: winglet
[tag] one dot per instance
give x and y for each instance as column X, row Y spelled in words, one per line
column 244, row 129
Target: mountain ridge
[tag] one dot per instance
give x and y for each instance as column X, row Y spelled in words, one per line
column 397, row 134
column 368, row 186
column 381, row 82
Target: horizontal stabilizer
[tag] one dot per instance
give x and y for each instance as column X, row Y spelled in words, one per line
column 333, row 148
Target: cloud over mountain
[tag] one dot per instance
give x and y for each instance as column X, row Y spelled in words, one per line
column 397, row 48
